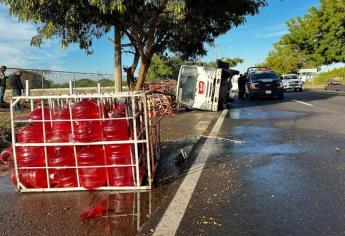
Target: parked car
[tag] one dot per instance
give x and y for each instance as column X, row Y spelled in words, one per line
column 263, row 82
column 292, row 82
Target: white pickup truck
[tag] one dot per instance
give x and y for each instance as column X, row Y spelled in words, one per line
column 292, row 82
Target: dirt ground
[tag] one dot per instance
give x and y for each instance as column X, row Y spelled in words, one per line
column 5, row 127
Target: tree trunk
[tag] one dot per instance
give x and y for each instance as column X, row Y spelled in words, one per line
column 130, row 79
column 118, row 63
column 131, row 70
column 144, row 67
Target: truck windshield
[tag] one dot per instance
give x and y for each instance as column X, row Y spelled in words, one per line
column 265, row 75
column 290, row 77
column 187, row 85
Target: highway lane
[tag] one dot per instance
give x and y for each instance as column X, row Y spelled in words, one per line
column 287, row 178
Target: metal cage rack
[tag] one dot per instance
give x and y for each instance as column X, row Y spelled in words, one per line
column 143, row 141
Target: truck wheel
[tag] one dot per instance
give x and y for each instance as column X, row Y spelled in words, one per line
column 281, row 96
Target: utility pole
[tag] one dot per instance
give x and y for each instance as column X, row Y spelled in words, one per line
column 118, row 63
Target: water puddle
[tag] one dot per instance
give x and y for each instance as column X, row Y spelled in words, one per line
column 119, row 213
column 174, row 155
column 260, row 114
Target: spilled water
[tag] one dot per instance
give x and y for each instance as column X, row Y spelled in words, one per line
column 119, row 213
column 261, row 114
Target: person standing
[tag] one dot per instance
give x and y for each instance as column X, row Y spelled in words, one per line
column 17, row 87
column 241, row 86
column 2, row 84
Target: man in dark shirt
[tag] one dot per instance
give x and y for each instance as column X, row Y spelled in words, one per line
column 2, row 84
column 241, row 86
column 17, row 87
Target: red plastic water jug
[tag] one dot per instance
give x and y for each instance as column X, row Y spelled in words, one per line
column 63, row 156
column 36, row 114
column 87, row 131
column 33, row 156
column 91, row 177
column 31, row 178
column 62, row 130
column 118, row 154
column 30, row 156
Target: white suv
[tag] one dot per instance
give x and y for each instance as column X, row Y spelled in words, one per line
column 292, row 82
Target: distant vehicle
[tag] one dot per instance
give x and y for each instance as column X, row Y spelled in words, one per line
column 262, row 82
column 204, row 88
column 292, row 82
column 334, row 82
column 307, row 74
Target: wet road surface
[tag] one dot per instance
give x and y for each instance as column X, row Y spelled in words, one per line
column 104, row 212
column 288, row 177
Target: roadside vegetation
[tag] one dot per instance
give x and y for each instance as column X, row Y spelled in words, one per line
column 323, row 78
column 316, row 39
column 163, row 67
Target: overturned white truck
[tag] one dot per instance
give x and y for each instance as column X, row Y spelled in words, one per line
column 204, row 88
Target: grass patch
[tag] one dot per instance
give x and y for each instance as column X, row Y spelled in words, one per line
column 5, row 121
column 322, row 78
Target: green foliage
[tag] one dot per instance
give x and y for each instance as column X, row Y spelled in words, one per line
column 232, row 62
column 152, row 27
column 82, row 83
column 315, row 39
column 323, row 78
column 284, row 59
column 164, row 68
column 106, row 83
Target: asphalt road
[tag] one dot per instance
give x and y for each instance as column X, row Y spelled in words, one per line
column 288, row 178
column 266, row 167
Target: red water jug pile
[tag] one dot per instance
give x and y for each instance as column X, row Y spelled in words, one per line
column 85, row 130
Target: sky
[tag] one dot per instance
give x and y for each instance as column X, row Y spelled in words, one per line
column 251, row 41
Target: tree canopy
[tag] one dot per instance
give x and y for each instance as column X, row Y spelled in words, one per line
column 152, row 27
column 315, row 39
column 232, row 61
column 163, row 67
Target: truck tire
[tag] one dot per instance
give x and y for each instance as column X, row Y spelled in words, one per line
column 281, row 96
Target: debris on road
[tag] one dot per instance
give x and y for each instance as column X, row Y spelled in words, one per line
column 6, row 159
column 94, row 212
column 226, row 139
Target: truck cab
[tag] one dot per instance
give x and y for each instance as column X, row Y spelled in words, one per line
column 204, row 88
column 263, row 82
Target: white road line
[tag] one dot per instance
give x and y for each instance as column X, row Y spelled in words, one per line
column 304, row 103
column 172, row 217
